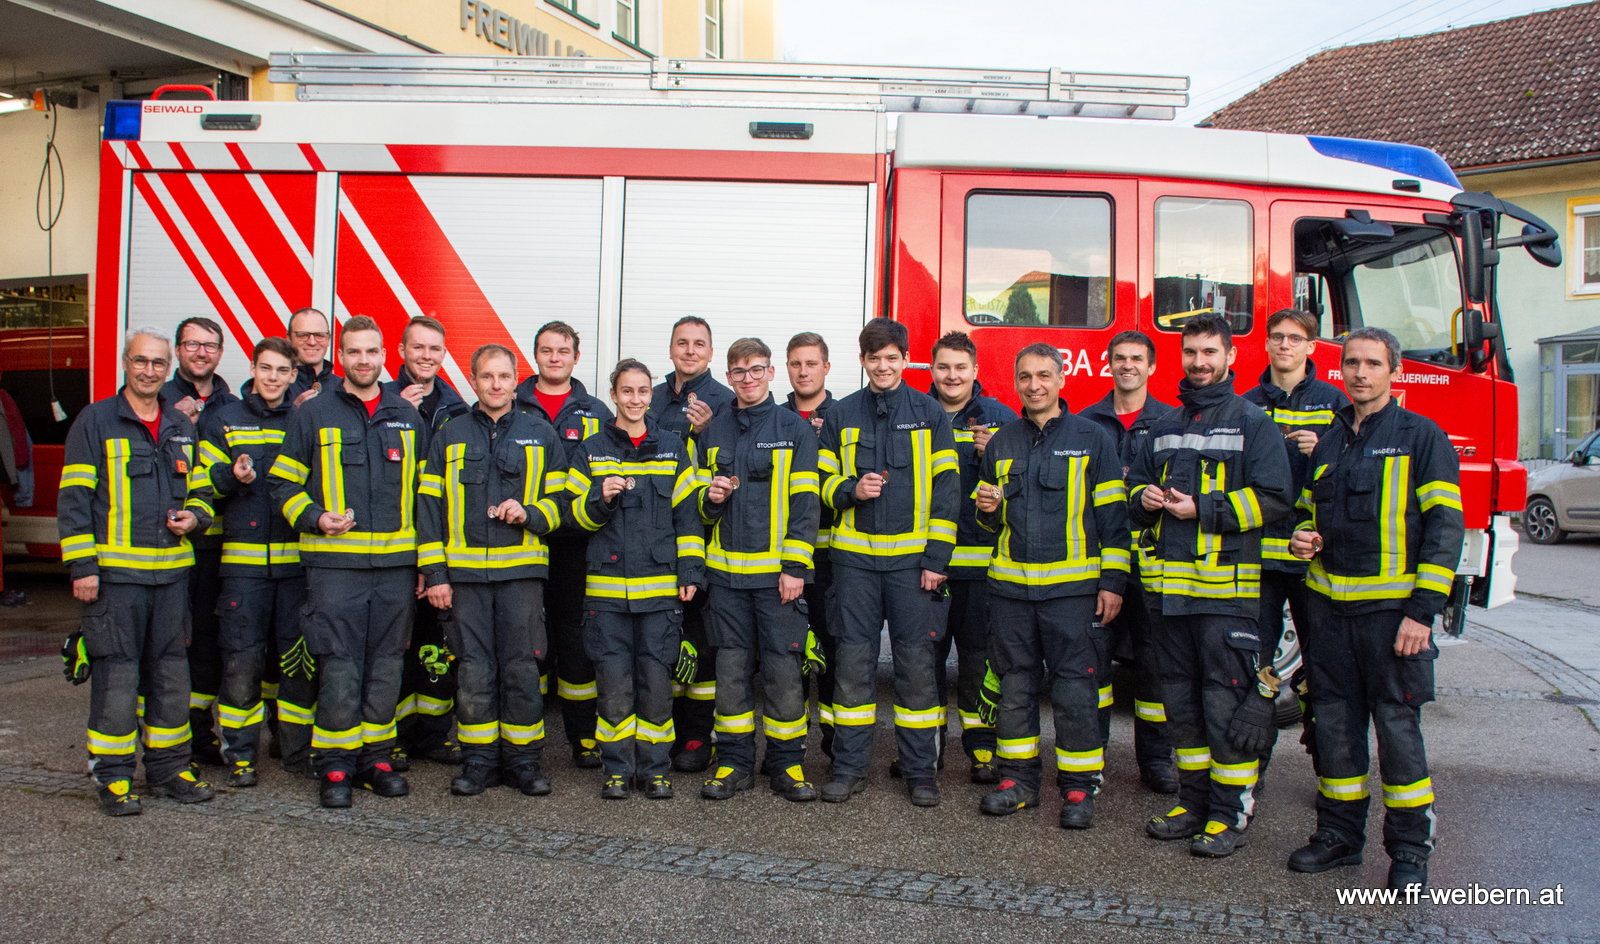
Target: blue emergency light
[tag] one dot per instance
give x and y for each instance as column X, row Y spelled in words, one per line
column 122, row 121
column 1408, row 159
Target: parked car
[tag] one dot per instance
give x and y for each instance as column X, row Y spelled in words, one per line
column 1565, row 498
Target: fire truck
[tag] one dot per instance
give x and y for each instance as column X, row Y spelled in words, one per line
column 771, row 198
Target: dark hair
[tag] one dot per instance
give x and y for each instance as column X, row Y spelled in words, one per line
column 556, row 327
column 1040, row 349
column 1389, row 341
column 1209, row 323
column 1132, row 337
column 691, row 320
column 1306, row 321
column 492, row 350
column 358, row 323
column 748, row 347
column 627, row 364
column 955, row 341
column 807, row 339
column 421, row 321
column 204, row 323
column 880, row 333
column 278, row 346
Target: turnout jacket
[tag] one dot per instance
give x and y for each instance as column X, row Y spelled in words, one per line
column 912, row 523
column 825, row 515
column 256, row 540
column 1223, row 450
column 117, row 485
column 768, row 525
column 648, row 540
column 1130, row 440
column 442, row 404
column 670, row 408
column 1387, row 502
column 1062, row 523
column 974, row 544
column 221, row 395
column 1310, row 405
column 474, row 464
column 580, row 417
column 306, row 375
column 336, row 457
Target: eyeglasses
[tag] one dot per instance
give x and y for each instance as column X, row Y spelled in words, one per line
column 210, row 347
column 1293, row 340
column 310, row 335
column 148, row 363
column 737, row 374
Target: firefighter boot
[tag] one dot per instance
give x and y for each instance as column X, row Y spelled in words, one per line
column 1325, row 850
column 243, row 774
column 656, row 787
column 530, row 780
column 615, row 787
column 447, row 753
column 185, row 788
column 791, row 784
column 842, row 788
column 725, row 783
column 695, row 757
column 334, row 793
column 474, row 779
column 923, row 791
column 984, row 769
column 117, row 799
column 586, row 754
column 1218, row 841
column 204, row 747
column 1077, row 810
column 381, row 779
column 1008, row 798
column 1407, row 869
column 1177, row 824
column 1160, row 777
column 399, row 760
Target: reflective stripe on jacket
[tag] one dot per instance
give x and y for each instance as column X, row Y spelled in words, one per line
column 256, row 540
column 974, row 544
column 1310, row 405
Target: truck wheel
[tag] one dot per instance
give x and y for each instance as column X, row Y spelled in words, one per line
column 1286, row 661
column 1539, row 523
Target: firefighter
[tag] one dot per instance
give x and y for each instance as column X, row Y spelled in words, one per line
column 683, row 404
column 761, row 501
column 562, row 401
column 347, row 479
column 634, row 487
column 1127, row 413
column 129, row 496
column 1051, row 488
column 309, row 333
column 1382, row 526
column 263, row 589
column 485, row 572
column 194, row 387
column 806, row 360
column 1214, row 475
column 892, row 475
column 973, row 420
column 1303, row 407
column 428, row 684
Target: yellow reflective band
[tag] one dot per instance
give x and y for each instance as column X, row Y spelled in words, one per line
column 576, row 691
column 77, row 547
column 971, row 556
column 432, row 485
column 295, row 506
column 858, row 716
column 361, row 542
column 970, row 719
column 1111, row 492
column 374, row 733
column 290, row 713
column 945, row 460
column 1429, row 495
column 1247, row 508
column 1276, row 549
column 486, row 733
column 430, row 553
column 1210, row 581
column 605, row 467
column 522, row 734
column 406, row 708
column 940, row 529
column 1149, row 711
column 621, row 731
column 82, row 476
column 825, row 714
column 1003, row 568
column 1392, row 516
column 435, row 707
column 1241, row 775
column 146, row 558
column 1115, row 558
column 655, row 733
column 1282, row 416
column 199, row 701
column 1105, row 697
column 737, row 562
column 1194, row 758
column 119, row 515
column 908, row 718
column 1410, row 794
column 260, row 555
column 827, row 461
column 289, row 470
column 101, row 743
column 155, row 737
column 323, row 739
column 269, row 691
column 784, row 730
column 1343, row 788
column 1434, row 577
column 736, row 724
column 846, row 538
column 1081, row 760
column 532, row 553
column 804, row 483
column 631, row 588
column 230, row 717
column 691, row 545
column 703, row 691
column 544, row 684
column 253, row 437
column 1017, row 748
column 797, row 552
column 1338, row 587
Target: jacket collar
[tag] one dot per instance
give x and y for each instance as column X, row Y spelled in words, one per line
column 1050, row 425
column 186, row 386
column 827, row 401
column 621, row 439
column 749, row 416
column 577, row 398
column 256, row 404
column 884, row 401
column 1274, row 393
column 169, row 416
column 968, row 410
column 1107, row 406
column 693, row 385
column 1348, row 416
column 1204, row 398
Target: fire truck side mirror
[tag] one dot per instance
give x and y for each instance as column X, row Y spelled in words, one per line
column 1472, row 261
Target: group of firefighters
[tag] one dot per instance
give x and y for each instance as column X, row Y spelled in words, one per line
column 366, row 567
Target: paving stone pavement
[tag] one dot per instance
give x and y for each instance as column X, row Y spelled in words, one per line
column 1176, row 915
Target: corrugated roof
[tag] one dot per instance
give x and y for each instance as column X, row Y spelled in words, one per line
column 1522, row 89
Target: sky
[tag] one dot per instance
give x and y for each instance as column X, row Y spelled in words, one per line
column 1226, row 47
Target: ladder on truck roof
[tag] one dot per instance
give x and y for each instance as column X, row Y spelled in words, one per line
column 491, row 79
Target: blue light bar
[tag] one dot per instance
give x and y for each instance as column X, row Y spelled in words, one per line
column 122, row 121
column 1408, row 159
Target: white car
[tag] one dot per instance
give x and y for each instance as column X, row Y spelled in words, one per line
column 1565, row 497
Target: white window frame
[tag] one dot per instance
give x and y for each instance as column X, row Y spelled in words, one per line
column 713, row 22
column 1583, row 215
column 628, row 20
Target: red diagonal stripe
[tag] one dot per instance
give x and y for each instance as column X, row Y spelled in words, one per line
column 267, row 243
column 224, row 254
column 192, row 261
column 362, row 290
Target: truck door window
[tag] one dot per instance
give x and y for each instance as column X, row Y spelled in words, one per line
column 1038, row 259
column 1409, row 284
column 1205, row 251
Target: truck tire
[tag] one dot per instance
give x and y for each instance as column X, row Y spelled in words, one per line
column 1285, row 661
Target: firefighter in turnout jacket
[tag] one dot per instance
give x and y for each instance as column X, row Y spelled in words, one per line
column 1051, row 489
column 892, row 475
column 634, row 486
column 428, row 683
column 761, row 501
column 347, row 479
column 1382, row 526
column 683, row 404
column 973, row 420
column 1127, row 413
column 561, row 400
column 129, row 495
column 194, row 388
column 485, row 571
column 1214, row 475
column 263, row 588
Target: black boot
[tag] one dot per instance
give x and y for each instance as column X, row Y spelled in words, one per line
column 1407, row 869
column 792, row 785
column 1077, row 810
column 243, row 774
column 1160, row 777
column 185, row 788
column 614, row 788
column 203, row 745
column 1007, row 799
column 984, row 769
column 723, row 784
column 656, row 787
column 399, row 760
column 1218, row 841
column 381, row 779
column 118, row 799
column 1178, row 824
column 335, row 790
column 695, row 757
column 474, row 779
column 1325, row 850
column 842, row 788
column 530, row 779
column 924, row 791
column 586, row 755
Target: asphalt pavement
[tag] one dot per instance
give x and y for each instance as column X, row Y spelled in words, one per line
column 1514, row 758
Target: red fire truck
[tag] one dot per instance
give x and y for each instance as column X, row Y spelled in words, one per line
column 773, row 198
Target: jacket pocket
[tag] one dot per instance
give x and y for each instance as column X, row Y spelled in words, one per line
column 1416, row 676
column 866, row 453
column 98, row 628
column 1361, row 501
column 1054, row 477
column 662, row 486
column 394, row 457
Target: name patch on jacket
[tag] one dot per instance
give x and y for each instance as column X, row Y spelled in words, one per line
column 922, row 425
column 1070, row 452
column 785, row 444
column 241, row 429
column 1375, row 451
column 527, row 442
column 393, row 425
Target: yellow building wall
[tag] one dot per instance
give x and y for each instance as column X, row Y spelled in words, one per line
column 681, row 28
column 763, row 29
